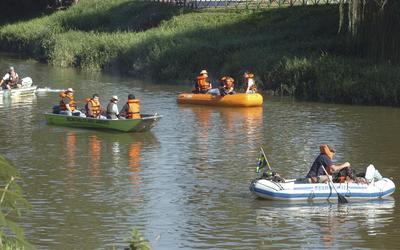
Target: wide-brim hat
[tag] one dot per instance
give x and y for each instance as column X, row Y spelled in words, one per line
column 70, row 90
column 114, row 97
column 203, row 72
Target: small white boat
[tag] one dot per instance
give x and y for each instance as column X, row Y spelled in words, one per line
column 26, row 89
column 294, row 190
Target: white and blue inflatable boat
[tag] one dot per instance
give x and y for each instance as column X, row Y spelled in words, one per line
column 375, row 187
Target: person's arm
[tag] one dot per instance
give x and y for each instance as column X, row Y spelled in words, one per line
column 335, row 168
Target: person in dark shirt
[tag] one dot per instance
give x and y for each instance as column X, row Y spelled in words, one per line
column 324, row 160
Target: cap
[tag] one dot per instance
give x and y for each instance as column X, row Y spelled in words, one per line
column 11, row 68
column 114, row 97
column 203, row 71
column 70, row 90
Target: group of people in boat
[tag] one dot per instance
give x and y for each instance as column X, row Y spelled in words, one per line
column 226, row 87
column 94, row 109
column 10, row 80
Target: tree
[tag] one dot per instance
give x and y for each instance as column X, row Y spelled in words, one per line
column 11, row 204
column 374, row 26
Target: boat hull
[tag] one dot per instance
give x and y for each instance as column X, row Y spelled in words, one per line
column 128, row 125
column 235, row 100
column 18, row 92
column 292, row 191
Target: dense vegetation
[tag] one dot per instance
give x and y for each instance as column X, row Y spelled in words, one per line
column 297, row 47
column 11, row 203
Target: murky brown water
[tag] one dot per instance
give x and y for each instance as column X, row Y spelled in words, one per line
column 184, row 184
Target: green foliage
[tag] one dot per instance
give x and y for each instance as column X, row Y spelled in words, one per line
column 11, row 203
column 138, row 242
column 298, row 47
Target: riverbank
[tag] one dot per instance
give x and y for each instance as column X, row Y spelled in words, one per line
column 298, row 47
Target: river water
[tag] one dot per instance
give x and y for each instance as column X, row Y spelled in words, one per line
column 184, row 184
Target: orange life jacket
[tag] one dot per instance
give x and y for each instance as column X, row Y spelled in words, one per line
column 202, row 82
column 72, row 103
column 133, row 111
column 96, row 107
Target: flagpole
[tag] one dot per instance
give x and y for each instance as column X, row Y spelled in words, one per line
column 266, row 159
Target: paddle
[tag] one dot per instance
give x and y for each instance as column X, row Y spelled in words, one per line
column 341, row 198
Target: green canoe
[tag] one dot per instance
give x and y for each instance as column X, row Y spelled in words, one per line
column 129, row 125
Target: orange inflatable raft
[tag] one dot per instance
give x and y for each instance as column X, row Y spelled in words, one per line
column 235, row 100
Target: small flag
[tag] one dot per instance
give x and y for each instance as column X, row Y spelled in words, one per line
column 262, row 162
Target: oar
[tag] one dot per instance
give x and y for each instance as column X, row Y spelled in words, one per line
column 269, row 167
column 341, row 198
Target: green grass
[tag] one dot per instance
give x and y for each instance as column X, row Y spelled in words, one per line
column 294, row 46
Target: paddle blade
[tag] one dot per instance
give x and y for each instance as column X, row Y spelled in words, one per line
column 342, row 199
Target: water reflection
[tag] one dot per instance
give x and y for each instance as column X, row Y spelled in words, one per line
column 324, row 224
column 95, row 153
column 135, row 175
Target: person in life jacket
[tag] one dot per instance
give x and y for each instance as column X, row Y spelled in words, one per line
column 93, row 107
column 10, row 79
column 203, row 84
column 131, row 110
column 227, row 85
column 112, row 108
column 324, row 160
column 67, row 103
column 250, row 84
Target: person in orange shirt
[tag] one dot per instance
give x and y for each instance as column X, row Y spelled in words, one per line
column 203, row 84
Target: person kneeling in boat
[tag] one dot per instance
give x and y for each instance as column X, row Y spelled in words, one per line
column 227, row 86
column 93, row 107
column 68, row 104
column 112, row 108
column 203, row 85
column 10, row 80
column 324, row 160
column 131, row 110
column 250, row 83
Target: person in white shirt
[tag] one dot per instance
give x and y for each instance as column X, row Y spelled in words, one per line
column 112, row 108
column 250, row 83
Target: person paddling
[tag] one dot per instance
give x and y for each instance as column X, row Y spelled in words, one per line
column 324, row 160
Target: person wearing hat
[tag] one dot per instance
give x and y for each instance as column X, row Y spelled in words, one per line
column 227, row 86
column 10, row 79
column 131, row 110
column 112, row 108
column 324, row 160
column 203, row 84
column 68, row 104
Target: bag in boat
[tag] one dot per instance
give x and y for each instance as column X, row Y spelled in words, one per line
column 341, row 176
column 26, row 82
